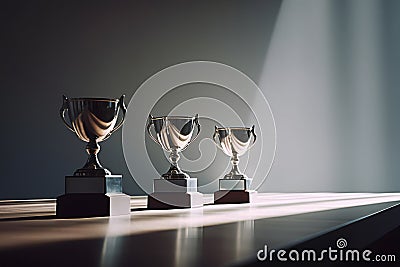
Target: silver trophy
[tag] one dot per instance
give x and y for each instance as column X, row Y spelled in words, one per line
column 173, row 134
column 92, row 190
column 234, row 142
column 93, row 120
column 175, row 188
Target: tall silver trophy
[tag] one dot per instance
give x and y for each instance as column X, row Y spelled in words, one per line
column 175, row 188
column 92, row 190
column 234, row 187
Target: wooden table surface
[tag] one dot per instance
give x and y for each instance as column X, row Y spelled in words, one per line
column 214, row 235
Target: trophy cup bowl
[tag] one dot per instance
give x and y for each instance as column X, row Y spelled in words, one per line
column 234, row 142
column 93, row 120
column 173, row 134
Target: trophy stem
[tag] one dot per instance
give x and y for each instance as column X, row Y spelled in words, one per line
column 174, row 157
column 93, row 148
column 174, row 171
column 235, row 173
column 235, row 164
column 92, row 166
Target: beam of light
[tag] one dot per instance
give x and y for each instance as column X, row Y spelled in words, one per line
column 296, row 80
column 323, row 77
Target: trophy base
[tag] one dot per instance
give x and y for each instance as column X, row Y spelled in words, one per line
column 235, row 184
column 174, row 200
column 92, row 196
column 234, row 196
column 175, row 194
column 234, row 191
column 175, row 185
column 93, row 184
column 92, row 205
column 175, row 176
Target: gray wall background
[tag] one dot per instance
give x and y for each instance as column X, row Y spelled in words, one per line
column 330, row 70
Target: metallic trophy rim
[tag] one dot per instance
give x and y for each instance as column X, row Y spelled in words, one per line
column 234, row 128
column 98, row 99
column 174, row 117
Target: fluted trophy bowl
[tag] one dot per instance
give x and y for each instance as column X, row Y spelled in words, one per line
column 173, row 134
column 234, row 142
column 93, row 120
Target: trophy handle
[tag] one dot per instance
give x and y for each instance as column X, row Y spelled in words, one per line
column 64, row 108
column 123, row 108
column 254, row 137
column 148, row 129
column 215, row 135
column 196, row 121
